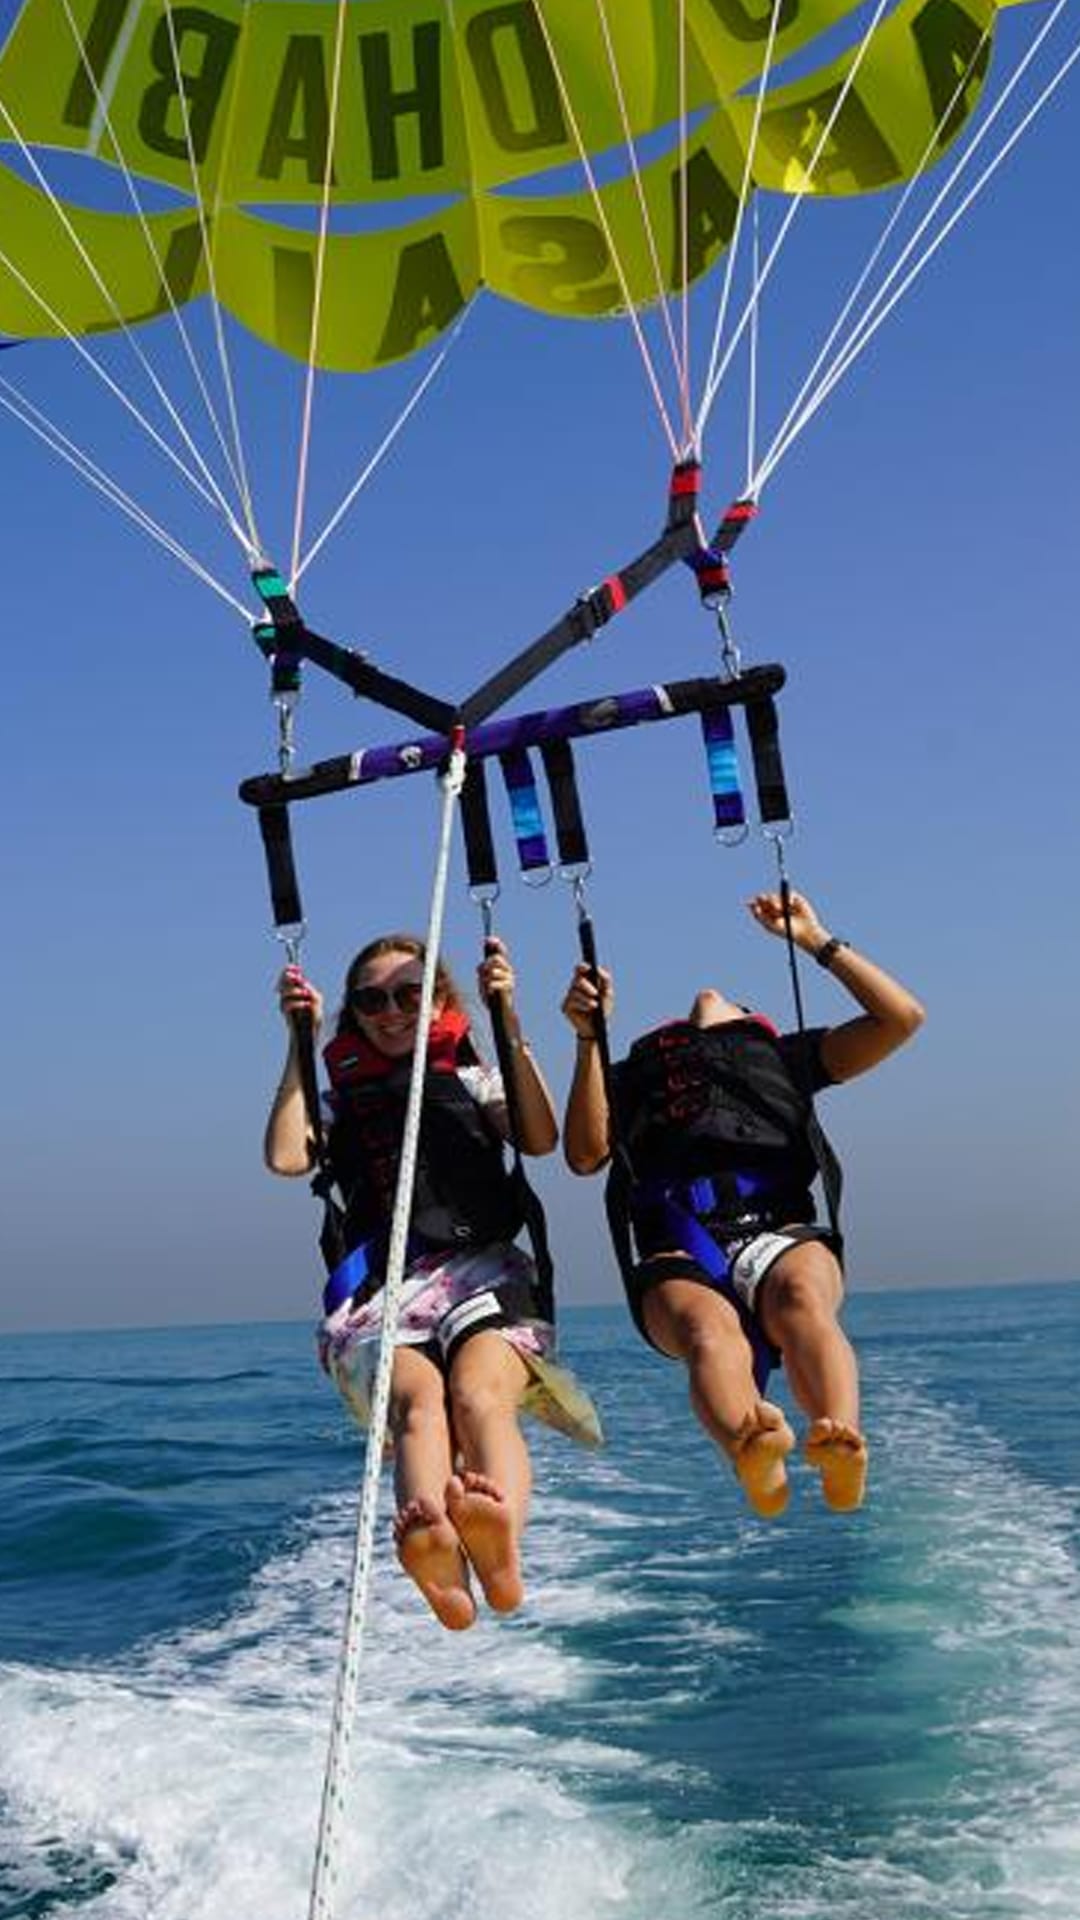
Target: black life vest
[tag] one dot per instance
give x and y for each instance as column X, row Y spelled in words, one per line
column 722, row 1103
column 464, row 1195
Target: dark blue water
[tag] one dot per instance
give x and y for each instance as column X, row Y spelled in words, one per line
column 873, row 1717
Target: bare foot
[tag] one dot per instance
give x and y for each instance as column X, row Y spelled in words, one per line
column 430, row 1552
column 761, row 1450
column 478, row 1509
column 838, row 1452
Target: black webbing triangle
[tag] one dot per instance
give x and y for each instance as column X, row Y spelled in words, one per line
column 297, row 641
column 589, row 612
column 371, row 683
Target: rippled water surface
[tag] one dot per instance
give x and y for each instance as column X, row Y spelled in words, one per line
column 865, row 1718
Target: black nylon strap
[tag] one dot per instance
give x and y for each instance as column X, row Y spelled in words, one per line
column 763, row 726
column 558, row 759
column 274, row 825
column 828, row 1165
column 294, row 639
column 587, row 940
column 531, row 1209
column 370, row 683
column 592, row 610
column 280, row 866
column 476, row 828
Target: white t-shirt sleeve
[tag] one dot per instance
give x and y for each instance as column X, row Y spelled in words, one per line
column 486, row 1087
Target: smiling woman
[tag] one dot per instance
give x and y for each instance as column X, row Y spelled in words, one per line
column 474, row 1332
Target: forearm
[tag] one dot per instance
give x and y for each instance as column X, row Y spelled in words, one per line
column 890, row 1016
column 586, row 1136
column 287, row 1143
column 538, row 1126
column 876, row 991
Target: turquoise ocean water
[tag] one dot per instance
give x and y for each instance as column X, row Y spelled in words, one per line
column 696, row 1715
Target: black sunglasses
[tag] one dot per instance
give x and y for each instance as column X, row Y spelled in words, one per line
column 370, row 1000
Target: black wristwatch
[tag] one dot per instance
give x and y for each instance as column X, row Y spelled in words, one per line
column 828, row 951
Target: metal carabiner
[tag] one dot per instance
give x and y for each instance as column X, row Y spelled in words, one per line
column 730, row 657
column 777, row 831
column 731, row 836
column 285, row 705
column 485, row 897
column 575, row 878
column 292, row 939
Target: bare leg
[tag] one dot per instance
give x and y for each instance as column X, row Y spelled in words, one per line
column 427, row 1545
column 798, row 1304
column 488, row 1503
column 701, row 1329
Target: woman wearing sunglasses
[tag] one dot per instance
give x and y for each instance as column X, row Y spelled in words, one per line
column 475, row 1334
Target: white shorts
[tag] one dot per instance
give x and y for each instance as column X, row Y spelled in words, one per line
column 753, row 1261
column 441, row 1301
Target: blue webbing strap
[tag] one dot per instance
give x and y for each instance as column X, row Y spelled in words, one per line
column 729, row 809
column 347, row 1277
column 362, row 1269
column 528, row 821
column 684, row 1232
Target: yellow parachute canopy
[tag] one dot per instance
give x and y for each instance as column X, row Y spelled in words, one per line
column 452, row 111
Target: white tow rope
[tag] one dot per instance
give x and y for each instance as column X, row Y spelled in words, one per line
column 335, row 1784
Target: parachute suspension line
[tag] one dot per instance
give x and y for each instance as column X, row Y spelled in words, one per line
column 606, row 229
column 745, row 191
column 716, row 375
column 103, row 120
column 384, row 445
column 107, row 380
column 689, row 435
column 748, row 492
column 679, row 362
column 308, row 406
column 879, row 309
column 52, row 436
column 758, row 478
column 334, row 1808
column 215, row 497
column 254, row 542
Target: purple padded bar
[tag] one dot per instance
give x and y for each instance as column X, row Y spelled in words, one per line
column 428, row 750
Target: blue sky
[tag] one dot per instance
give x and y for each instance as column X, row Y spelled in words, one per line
column 913, row 567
